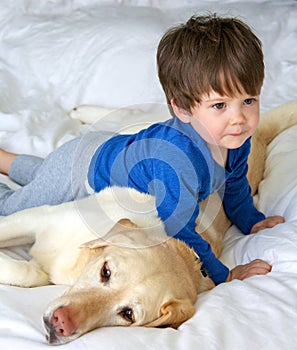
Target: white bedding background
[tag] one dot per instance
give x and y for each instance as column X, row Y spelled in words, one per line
column 57, row 54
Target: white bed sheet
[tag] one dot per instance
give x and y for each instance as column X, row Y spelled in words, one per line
column 57, row 54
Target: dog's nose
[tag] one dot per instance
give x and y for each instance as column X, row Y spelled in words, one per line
column 62, row 323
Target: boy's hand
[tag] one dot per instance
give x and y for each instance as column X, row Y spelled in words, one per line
column 267, row 223
column 255, row 267
column 258, row 266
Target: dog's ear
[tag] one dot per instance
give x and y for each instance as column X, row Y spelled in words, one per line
column 121, row 226
column 173, row 314
column 96, row 243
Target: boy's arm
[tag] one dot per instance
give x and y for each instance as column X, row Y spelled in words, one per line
column 212, row 266
column 238, row 201
column 239, row 205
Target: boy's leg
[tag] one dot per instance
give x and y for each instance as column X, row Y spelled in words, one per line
column 60, row 177
column 24, row 173
column 6, row 158
column 45, row 181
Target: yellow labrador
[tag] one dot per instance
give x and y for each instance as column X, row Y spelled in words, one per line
column 132, row 274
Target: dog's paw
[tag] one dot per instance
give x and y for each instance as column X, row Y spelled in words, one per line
column 21, row 273
column 90, row 114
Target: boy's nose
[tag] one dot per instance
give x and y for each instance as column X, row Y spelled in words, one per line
column 237, row 116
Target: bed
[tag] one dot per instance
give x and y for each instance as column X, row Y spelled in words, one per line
column 58, row 54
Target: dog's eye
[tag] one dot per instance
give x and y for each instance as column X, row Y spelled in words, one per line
column 128, row 314
column 105, row 273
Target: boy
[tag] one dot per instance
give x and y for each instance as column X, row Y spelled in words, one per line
column 211, row 70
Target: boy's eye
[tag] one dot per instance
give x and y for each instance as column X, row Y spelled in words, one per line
column 249, row 101
column 220, row 105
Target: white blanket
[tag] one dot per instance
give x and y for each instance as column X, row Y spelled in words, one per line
column 55, row 55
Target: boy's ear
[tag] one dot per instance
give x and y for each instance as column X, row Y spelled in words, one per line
column 181, row 113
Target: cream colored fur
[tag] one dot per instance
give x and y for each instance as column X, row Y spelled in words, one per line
column 155, row 278
column 112, row 250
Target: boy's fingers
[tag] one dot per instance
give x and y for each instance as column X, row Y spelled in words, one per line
column 269, row 222
column 255, row 267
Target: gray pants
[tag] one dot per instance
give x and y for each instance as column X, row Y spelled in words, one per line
column 58, row 178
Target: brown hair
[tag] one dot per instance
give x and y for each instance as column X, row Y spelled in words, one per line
column 209, row 53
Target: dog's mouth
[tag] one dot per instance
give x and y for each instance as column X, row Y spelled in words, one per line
column 50, row 336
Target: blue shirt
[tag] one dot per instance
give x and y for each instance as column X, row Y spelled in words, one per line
column 172, row 162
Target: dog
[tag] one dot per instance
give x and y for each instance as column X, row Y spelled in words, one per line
column 117, row 279
column 113, row 252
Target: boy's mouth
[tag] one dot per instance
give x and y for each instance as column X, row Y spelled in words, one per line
column 238, row 133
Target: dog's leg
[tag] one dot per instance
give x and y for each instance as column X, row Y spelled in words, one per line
column 19, row 228
column 55, row 232
column 21, row 273
column 47, row 221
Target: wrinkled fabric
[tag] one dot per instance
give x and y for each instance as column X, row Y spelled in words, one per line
column 57, row 54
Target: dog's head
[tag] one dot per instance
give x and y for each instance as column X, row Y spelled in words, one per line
column 128, row 283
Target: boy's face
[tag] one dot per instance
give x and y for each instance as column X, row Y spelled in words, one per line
column 222, row 120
